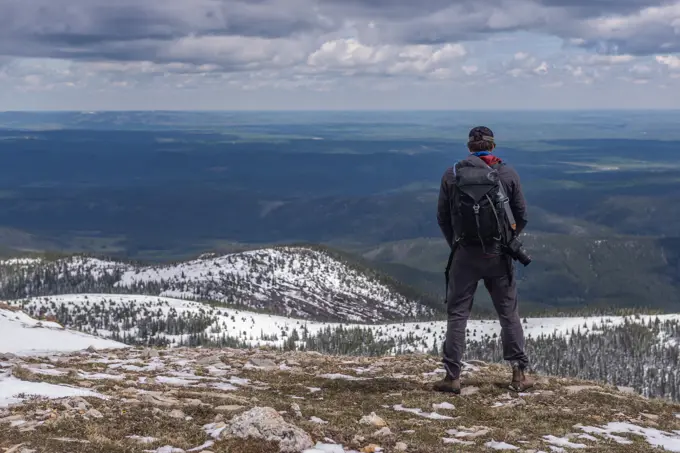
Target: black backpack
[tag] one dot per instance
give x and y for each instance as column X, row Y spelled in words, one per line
column 478, row 205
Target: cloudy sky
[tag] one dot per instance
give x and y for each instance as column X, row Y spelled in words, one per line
column 339, row 54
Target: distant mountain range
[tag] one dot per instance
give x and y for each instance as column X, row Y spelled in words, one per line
column 302, row 282
column 603, row 193
column 568, row 272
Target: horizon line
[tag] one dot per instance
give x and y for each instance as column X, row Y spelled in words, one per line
column 378, row 110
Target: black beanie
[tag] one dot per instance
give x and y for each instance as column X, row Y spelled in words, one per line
column 481, row 133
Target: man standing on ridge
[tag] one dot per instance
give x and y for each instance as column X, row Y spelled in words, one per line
column 478, row 218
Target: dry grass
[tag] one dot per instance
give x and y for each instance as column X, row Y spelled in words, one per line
column 550, row 410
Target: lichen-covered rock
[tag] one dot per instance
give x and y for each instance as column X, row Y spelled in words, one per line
column 149, row 353
column 75, row 403
column 209, row 360
column 176, row 413
column 267, row 424
column 158, row 399
column 264, row 364
column 373, row 419
column 229, row 408
column 383, row 432
column 94, row 413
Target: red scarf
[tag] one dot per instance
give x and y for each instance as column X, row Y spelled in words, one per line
column 490, row 159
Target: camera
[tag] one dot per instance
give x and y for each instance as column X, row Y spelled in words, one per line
column 517, row 252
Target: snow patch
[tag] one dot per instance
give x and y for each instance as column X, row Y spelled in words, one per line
column 13, row 391
column 25, row 336
column 417, row 411
column 656, row 438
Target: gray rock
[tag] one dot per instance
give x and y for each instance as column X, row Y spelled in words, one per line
column 28, row 426
column 400, row 446
column 372, row 419
column 210, row 360
column 229, row 408
column 629, row 390
column 358, row 440
column 12, row 418
column 383, row 432
column 149, row 353
column 176, row 413
column 75, row 403
column 571, row 389
column 158, row 399
column 94, row 413
column 266, row 364
column 193, row 402
column 465, row 391
column 296, row 409
column 266, row 423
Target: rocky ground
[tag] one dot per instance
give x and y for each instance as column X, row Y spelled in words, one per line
column 248, row 401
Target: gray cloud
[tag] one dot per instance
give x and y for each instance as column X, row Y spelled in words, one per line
column 136, row 29
column 636, row 26
column 237, row 35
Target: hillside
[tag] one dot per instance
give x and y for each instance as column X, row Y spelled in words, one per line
column 27, row 336
column 21, row 335
column 642, row 352
column 142, row 319
column 302, row 282
column 193, row 400
column 568, row 272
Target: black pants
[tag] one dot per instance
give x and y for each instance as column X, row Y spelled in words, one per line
column 469, row 266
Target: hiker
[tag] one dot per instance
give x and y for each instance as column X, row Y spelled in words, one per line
column 481, row 220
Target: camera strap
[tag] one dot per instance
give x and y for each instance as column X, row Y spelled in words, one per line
column 509, row 215
column 506, row 203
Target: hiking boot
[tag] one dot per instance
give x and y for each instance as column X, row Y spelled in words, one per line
column 520, row 381
column 448, row 385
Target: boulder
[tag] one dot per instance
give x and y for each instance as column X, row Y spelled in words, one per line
column 267, row 424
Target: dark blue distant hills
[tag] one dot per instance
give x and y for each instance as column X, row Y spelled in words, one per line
column 603, row 188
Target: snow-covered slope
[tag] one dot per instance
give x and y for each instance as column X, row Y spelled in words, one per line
column 291, row 281
column 137, row 317
column 22, row 335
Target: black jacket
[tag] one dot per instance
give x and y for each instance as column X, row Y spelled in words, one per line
column 511, row 184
